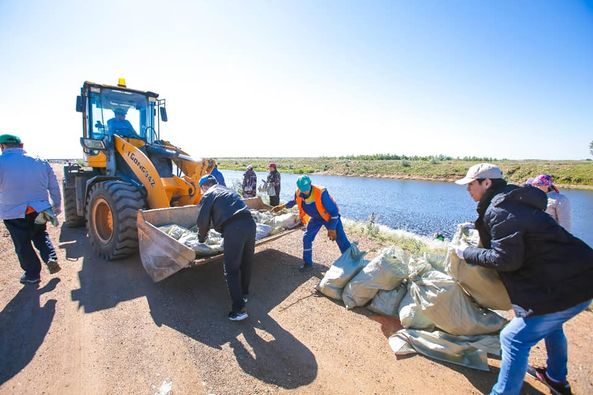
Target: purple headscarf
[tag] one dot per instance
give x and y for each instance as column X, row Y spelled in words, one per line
column 544, row 180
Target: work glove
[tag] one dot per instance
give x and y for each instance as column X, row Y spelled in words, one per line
column 57, row 210
column 459, row 251
column 331, row 234
column 278, row 208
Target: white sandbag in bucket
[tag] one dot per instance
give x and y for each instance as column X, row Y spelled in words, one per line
column 387, row 302
column 341, row 271
column 481, row 283
column 262, row 230
column 411, row 315
column 386, row 271
column 446, row 304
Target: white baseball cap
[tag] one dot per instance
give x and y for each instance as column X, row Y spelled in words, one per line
column 479, row 171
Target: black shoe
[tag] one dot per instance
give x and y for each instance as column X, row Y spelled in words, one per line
column 53, row 267
column 237, row 315
column 556, row 387
column 305, row 268
column 27, row 280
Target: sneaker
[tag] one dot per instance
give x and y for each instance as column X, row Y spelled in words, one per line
column 556, row 387
column 27, row 280
column 237, row 315
column 305, row 268
column 53, row 267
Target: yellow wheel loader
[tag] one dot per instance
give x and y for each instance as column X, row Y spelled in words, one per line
column 127, row 167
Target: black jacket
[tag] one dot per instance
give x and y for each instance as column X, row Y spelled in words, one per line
column 544, row 268
column 218, row 205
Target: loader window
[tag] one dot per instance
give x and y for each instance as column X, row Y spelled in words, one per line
column 119, row 112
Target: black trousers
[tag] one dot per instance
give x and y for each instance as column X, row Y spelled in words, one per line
column 25, row 231
column 239, row 245
column 274, row 200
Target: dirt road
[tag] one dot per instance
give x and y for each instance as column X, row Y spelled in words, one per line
column 104, row 328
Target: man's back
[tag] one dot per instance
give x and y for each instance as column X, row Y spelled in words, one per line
column 543, row 266
column 25, row 181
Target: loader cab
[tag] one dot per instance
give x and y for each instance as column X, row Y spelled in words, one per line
column 109, row 110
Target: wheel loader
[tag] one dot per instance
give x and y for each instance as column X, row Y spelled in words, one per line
column 126, row 167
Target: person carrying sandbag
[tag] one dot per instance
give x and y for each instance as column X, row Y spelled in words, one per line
column 546, row 270
column 316, row 208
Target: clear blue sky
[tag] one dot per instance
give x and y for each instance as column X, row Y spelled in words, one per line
column 505, row 79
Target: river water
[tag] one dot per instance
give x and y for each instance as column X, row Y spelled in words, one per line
column 423, row 207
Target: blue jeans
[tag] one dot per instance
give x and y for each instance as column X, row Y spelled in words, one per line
column 25, row 231
column 312, row 229
column 517, row 338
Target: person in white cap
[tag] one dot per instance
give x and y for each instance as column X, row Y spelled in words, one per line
column 547, row 272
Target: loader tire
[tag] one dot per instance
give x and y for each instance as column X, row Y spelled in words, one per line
column 111, row 211
column 71, row 217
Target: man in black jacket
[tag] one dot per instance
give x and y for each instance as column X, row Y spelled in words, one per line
column 547, row 272
column 223, row 209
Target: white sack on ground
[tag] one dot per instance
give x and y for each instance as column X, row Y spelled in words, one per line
column 386, row 271
column 468, row 351
column 411, row 315
column 445, row 303
column 481, row 283
column 341, row 271
column 387, row 302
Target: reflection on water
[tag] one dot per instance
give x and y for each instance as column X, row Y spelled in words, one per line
column 423, row 207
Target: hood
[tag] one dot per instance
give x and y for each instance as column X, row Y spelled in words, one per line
column 528, row 195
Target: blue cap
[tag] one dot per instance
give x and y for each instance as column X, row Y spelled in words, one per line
column 304, row 184
column 207, row 178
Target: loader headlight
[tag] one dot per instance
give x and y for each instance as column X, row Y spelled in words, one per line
column 92, row 144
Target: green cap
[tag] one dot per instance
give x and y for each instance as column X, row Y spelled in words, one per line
column 9, row 139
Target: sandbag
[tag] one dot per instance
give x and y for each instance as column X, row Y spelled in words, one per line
column 175, row 231
column 387, row 302
column 445, row 303
column 468, row 351
column 386, row 272
column 411, row 315
column 481, row 283
column 201, row 249
column 341, row 271
column 262, row 230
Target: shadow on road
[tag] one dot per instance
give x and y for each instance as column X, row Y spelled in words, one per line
column 195, row 302
column 23, row 326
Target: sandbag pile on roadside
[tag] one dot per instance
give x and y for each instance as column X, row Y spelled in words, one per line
column 267, row 224
column 433, row 296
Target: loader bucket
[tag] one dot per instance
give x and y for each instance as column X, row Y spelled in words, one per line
column 162, row 255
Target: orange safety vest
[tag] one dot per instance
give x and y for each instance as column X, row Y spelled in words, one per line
column 316, row 192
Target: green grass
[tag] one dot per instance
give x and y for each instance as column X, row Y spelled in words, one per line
column 566, row 173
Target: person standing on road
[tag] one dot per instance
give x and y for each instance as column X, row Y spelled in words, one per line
column 223, row 208
column 316, row 208
column 24, row 185
column 249, row 183
column 273, row 185
column 547, row 272
column 558, row 204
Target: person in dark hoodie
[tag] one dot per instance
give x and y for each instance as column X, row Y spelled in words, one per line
column 546, row 270
column 223, row 209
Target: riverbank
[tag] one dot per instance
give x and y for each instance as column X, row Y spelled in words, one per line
column 567, row 174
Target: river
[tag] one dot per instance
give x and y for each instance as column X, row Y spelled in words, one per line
column 423, row 207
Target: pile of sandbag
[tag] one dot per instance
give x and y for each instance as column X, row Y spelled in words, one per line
column 277, row 222
column 267, row 224
column 432, row 295
column 213, row 245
